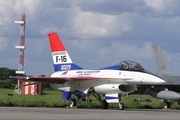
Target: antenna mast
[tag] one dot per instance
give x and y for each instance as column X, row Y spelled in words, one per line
column 21, row 49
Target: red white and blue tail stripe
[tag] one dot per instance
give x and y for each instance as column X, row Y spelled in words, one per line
column 61, row 58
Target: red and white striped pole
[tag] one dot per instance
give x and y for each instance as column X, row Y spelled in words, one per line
column 21, row 48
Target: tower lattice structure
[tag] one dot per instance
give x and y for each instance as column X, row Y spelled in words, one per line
column 21, row 49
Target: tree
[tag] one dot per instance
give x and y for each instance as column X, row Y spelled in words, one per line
column 5, row 73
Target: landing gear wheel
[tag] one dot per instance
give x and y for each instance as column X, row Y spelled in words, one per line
column 121, row 106
column 167, row 105
column 105, row 104
column 72, row 103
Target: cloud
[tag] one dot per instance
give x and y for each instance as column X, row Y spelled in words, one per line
column 120, row 51
column 92, row 25
column 96, row 33
column 3, row 43
column 117, row 7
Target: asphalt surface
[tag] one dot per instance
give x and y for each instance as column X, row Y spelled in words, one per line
column 33, row 113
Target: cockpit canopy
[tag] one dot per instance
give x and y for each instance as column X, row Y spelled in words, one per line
column 130, row 65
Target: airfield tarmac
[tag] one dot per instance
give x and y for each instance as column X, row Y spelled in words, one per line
column 33, row 113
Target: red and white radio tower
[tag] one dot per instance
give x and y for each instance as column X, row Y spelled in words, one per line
column 21, row 48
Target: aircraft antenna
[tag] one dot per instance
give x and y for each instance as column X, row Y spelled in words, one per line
column 21, row 49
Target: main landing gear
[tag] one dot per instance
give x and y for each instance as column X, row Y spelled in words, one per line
column 72, row 103
column 168, row 104
column 104, row 103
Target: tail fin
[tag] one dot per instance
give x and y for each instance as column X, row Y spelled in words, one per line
column 61, row 58
column 161, row 64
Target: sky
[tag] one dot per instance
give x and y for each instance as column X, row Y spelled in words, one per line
column 96, row 33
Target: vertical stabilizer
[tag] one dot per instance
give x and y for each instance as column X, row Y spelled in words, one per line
column 161, row 64
column 61, row 58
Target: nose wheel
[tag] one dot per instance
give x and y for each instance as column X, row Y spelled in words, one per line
column 121, row 106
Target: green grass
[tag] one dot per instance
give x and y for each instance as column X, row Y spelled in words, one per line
column 48, row 99
column 53, row 99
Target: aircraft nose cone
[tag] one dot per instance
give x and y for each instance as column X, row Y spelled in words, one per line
column 157, row 80
column 161, row 81
column 153, row 78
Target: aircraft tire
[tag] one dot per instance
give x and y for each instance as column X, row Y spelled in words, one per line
column 72, row 103
column 105, row 104
column 167, row 105
column 121, row 106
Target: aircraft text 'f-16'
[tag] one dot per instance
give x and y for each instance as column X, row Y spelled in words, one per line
column 113, row 81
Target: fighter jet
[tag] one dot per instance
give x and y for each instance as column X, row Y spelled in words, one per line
column 168, row 91
column 77, row 83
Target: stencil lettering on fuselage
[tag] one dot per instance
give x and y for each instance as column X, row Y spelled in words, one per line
column 87, row 72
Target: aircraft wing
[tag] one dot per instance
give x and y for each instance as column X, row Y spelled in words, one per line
column 41, row 79
column 61, row 80
column 47, row 79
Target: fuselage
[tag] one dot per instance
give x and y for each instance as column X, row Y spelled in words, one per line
column 104, row 77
